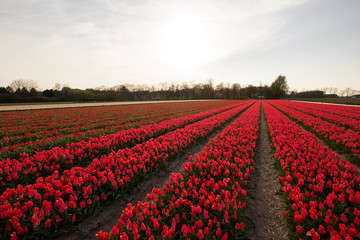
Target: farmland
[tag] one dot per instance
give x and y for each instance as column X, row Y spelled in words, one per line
column 350, row 101
column 61, row 167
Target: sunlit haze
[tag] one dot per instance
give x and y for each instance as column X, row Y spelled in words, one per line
column 87, row 44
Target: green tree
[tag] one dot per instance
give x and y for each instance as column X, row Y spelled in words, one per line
column 279, row 87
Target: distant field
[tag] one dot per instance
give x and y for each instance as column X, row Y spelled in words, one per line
column 32, row 103
column 353, row 101
column 33, row 106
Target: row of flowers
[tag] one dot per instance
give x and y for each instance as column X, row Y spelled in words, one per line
column 338, row 134
column 347, row 119
column 63, row 121
column 322, row 190
column 338, row 109
column 61, row 199
column 29, row 168
column 40, row 121
column 50, row 133
column 206, row 200
column 46, row 120
column 63, row 130
column 28, row 148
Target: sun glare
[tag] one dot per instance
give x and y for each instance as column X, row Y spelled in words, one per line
column 184, row 42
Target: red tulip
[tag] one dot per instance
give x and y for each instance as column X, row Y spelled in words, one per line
column 299, row 229
column 239, row 226
column 218, row 232
column 200, row 235
column 322, row 229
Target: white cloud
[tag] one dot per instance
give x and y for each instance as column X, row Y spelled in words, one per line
column 92, row 40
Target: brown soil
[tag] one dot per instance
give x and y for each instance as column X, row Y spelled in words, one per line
column 266, row 206
column 107, row 218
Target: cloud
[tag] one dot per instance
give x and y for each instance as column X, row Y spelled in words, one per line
column 107, row 39
column 231, row 26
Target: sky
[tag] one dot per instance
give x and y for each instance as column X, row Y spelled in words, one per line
column 93, row 43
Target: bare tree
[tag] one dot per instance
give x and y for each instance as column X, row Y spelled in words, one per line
column 57, row 87
column 220, row 87
column 210, row 82
column 353, row 92
column 184, row 85
column 341, row 93
column 192, row 84
column 173, row 87
column 131, row 87
column 348, row 91
column 236, row 90
column 163, row 86
column 228, row 85
column 101, row 88
column 17, row 84
column 142, row 87
column 32, row 84
column 22, row 83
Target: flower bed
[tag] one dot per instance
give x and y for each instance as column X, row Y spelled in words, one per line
column 331, row 115
column 339, row 109
column 337, row 134
column 29, row 168
column 59, row 200
column 206, row 200
column 322, row 190
column 36, row 130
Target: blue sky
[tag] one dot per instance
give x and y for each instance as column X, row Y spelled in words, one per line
column 88, row 44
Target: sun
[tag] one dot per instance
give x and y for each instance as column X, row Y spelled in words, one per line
column 184, row 42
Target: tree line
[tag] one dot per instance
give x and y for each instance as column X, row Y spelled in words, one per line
column 325, row 93
column 28, row 91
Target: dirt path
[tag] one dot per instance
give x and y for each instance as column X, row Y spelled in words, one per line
column 265, row 207
column 107, row 218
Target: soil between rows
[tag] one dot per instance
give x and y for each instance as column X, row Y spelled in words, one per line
column 265, row 207
column 108, row 217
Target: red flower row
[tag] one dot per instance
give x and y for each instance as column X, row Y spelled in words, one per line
column 62, row 199
column 347, row 119
column 35, row 121
column 207, row 199
column 347, row 137
column 28, row 125
column 63, row 130
column 322, row 189
column 342, row 110
column 31, row 142
column 27, row 170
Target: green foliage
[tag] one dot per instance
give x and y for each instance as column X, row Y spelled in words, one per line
column 143, row 93
column 279, row 87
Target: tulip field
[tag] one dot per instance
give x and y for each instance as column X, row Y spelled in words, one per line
column 322, row 189
column 58, row 167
